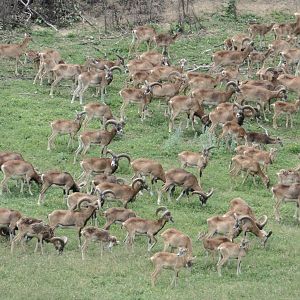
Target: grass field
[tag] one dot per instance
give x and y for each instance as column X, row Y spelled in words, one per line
column 27, row 110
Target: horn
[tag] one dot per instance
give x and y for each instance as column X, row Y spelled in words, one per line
column 106, row 192
column 279, row 87
column 102, row 195
column 116, row 68
column 209, row 148
column 270, row 69
column 121, row 181
column 121, row 58
column 81, row 201
column 155, row 83
column 283, row 89
column 249, row 107
column 174, row 73
column 243, row 217
column 262, row 221
column 232, row 83
column 108, row 122
column 210, row 193
column 110, row 152
column 246, row 39
column 62, row 239
column 206, row 150
column 125, row 156
column 162, row 208
column 81, row 113
column 137, row 180
column 235, row 104
column 202, row 194
column 267, row 237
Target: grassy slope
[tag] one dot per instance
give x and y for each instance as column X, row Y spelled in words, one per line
column 25, row 114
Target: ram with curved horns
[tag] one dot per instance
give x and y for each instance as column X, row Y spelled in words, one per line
column 247, row 224
column 99, row 137
column 187, row 180
column 226, row 112
column 148, row 167
column 73, row 218
column 138, row 226
column 213, row 96
column 240, row 207
column 98, row 165
column 30, row 227
column 259, row 95
column 123, row 192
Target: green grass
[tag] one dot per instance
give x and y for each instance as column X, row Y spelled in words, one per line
column 26, row 112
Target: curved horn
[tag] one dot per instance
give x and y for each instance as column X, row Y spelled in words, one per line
column 116, row 68
column 235, row 104
column 121, row 58
column 243, row 217
column 62, row 239
column 121, row 181
column 102, row 195
column 270, row 69
column 283, row 89
column 174, row 73
column 81, row 201
column 162, row 208
column 246, row 39
column 209, row 148
column 154, row 84
column 279, row 87
column 106, row 192
column 110, row 152
column 202, row 194
column 210, row 193
column 108, row 122
column 137, row 180
column 80, row 113
column 262, row 221
column 249, row 107
column 125, row 156
column 233, row 83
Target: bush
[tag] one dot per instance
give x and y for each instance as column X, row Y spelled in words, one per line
column 231, row 10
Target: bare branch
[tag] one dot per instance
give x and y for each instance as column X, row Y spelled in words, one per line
column 30, row 10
